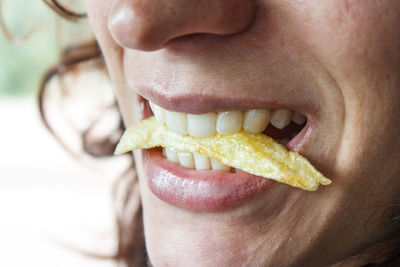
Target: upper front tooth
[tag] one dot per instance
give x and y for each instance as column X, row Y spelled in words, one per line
column 229, row 122
column 202, row 125
column 280, row 118
column 256, row 120
column 299, row 118
column 158, row 112
column 176, row 121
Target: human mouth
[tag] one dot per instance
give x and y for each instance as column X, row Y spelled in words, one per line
column 195, row 181
column 281, row 124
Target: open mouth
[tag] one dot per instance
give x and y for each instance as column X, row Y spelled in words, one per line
column 281, row 124
column 195, row 181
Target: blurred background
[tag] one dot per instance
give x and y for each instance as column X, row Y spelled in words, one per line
column 53, row 206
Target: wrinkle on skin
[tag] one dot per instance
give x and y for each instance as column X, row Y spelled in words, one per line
column 343, row 56
column 355, row 18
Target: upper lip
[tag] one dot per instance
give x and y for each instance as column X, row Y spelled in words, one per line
column 193, row 102
column 185, row 83
column 197, row 103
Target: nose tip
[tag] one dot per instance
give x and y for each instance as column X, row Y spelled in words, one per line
column 150, row 24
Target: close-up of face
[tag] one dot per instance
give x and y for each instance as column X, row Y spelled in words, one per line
column 322, row 77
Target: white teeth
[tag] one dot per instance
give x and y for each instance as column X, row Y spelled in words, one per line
column 229, row 122
column 201, row 162
column 158, row 112
column 171, row 154
column 176, row 121
column 202, row 125
column 256, row 120
column 186, row 159
column 280, row 118
column 219, row 166
column 299, row 118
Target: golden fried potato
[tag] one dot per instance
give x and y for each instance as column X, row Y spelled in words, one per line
column 257, row 154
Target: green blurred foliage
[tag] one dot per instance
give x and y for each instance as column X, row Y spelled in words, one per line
column 22, row 65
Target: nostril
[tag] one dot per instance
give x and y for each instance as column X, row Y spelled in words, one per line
column 150, row 24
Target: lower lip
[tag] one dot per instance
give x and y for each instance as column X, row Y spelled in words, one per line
column 205, row 190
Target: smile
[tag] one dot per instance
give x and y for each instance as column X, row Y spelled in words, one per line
column 187, row 179
column 281, row 124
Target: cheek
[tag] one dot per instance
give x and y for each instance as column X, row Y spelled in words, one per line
column 358, row 44
column 98, row 11
column 98, row 14
column 348, row 36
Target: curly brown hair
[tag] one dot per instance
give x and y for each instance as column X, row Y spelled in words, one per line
column 131, row 244
column 131, row 249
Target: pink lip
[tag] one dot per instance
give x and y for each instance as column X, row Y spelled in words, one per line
column 197, row 103
column 206, row 190
column 200, row 190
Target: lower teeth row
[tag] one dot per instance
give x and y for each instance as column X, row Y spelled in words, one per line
column 194, row 161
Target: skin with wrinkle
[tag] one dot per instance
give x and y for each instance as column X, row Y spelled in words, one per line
column 337, row 62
